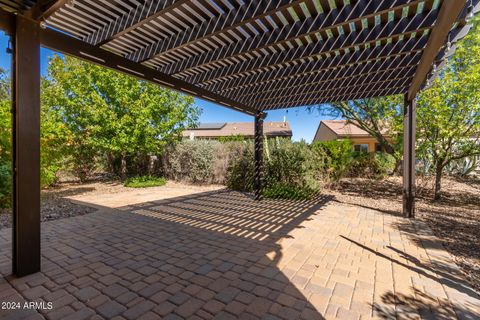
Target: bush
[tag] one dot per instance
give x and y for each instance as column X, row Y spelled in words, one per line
column 224, row 155
column 144, row 182
column 240, row 172
column 5, row 185
column 83, row 161
column 372, row 165
column 190, row 161
column 291, row 164
column 283, row 191
column 335, row 157
column 291, row 170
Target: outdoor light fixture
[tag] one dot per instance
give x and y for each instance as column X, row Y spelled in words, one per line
column 9, row 48
column 470, row 13
column 449, row 43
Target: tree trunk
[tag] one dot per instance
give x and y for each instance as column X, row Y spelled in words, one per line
column 123, row 167
column 438, row 182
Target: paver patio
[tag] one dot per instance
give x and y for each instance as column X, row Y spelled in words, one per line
column 219, row 254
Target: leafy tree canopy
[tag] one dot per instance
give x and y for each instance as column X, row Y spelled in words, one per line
column 448, row 113
column 97, row 110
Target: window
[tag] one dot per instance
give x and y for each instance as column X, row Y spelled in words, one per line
column 361, row 147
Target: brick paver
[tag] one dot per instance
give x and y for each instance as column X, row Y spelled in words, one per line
column 220, row 255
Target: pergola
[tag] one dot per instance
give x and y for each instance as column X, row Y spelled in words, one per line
column 251, row 56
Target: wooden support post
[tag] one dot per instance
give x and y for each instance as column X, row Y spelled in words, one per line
column 26, row 147
column 258, row 183
column 409, row 137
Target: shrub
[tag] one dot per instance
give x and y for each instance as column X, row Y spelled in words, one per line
column 190, row 161
column 291, row 164
column 5, row 185
column 372, row 165
column 224, row 154
column 284, row 191
column 240, row 172
column 144, row 182
column 335, row 157
column 232, row 138
column 83, row 162
column 290, row 170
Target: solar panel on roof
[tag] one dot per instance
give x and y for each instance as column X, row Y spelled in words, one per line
column 211, row 126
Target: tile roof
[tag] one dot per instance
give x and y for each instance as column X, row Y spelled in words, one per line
column 342, row 128
column 271, row 129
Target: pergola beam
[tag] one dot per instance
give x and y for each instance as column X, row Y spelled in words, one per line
column 449, row 12
column 409, row 138
column 26, row 147
column 371, row 92
column 45, row 8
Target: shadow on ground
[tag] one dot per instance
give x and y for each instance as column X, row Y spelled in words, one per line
column 212, row 254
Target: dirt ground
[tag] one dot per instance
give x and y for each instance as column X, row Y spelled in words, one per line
column 455, row 219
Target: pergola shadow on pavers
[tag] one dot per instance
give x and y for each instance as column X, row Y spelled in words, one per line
column 222, row 255
column 252, row 56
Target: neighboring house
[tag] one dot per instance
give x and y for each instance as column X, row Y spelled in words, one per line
column 329, row 130
column 244, row 129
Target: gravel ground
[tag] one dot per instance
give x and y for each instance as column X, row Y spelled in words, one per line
column 54, row 205
column 455, row 219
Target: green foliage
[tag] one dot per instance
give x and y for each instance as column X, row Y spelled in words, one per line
column 5, row 141
column 462, row 167
column 240, row 172
column 232, row 138
column 290, row 170
column 374, row 165
column 291, row 164
column 381, row 117
column 100, row 111
column 144, row 182
column 5, row 185
column 448, row 114
column 190, row 160
column 289, row 192
column 336, row 158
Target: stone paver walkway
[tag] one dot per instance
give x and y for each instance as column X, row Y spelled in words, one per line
column 220, row 255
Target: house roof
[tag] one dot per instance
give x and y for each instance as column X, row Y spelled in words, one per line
column 258, row 55
column 271, row 129
column 343, row 128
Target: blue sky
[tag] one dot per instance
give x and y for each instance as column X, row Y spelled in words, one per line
column 304, row 123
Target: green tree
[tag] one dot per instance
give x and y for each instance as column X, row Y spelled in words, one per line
column 381, row 117
column 102, row 112
column 448, row 113
column 5, row 139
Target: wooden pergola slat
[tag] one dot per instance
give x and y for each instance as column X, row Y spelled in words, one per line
column 360, row 56
column 354, row 71
column 321, row 23
column 247, row 13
